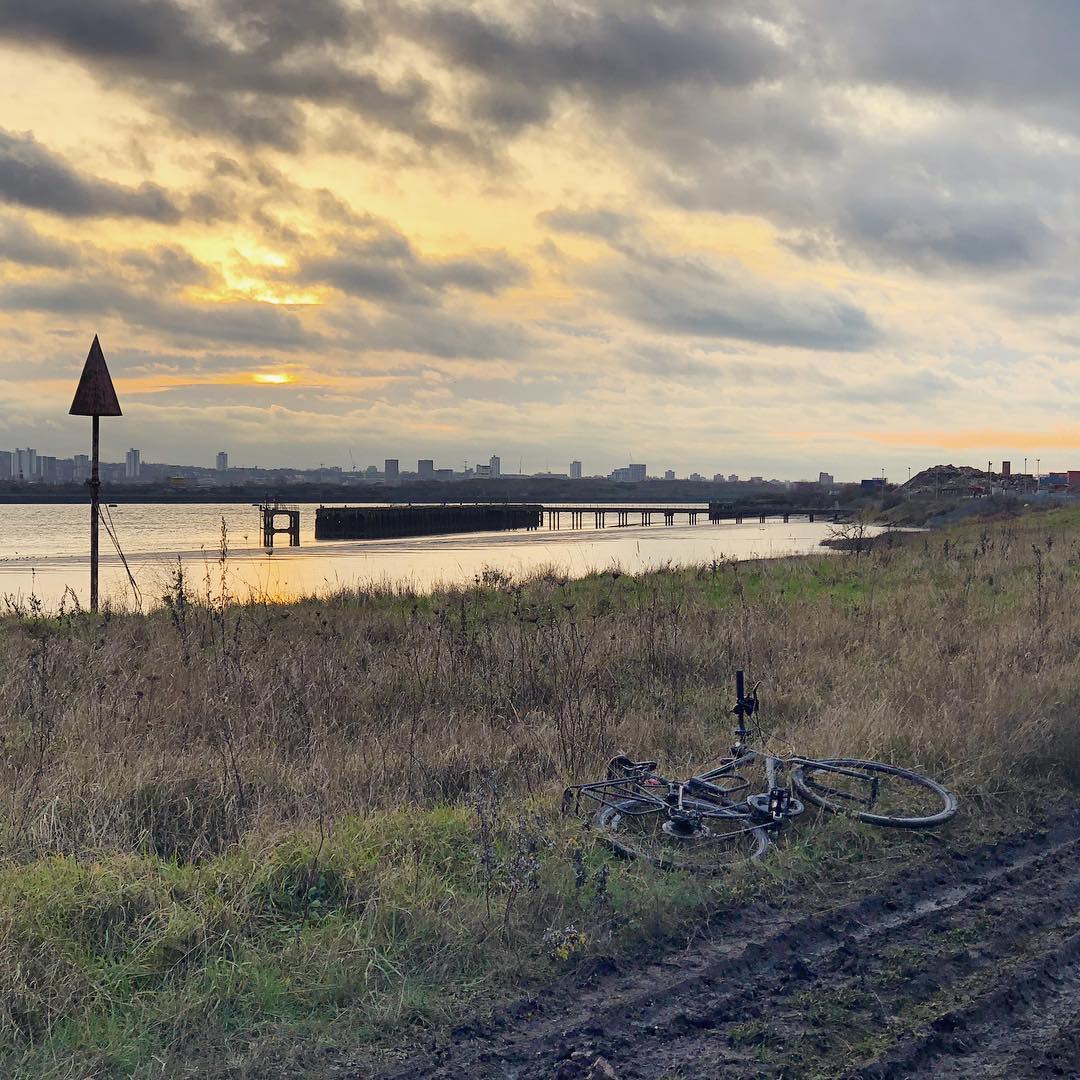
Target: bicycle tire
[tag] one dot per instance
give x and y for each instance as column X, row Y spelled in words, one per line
column 747, row 841
column 804, row 785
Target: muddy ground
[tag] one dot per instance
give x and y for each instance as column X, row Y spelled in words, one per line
column 970, row 968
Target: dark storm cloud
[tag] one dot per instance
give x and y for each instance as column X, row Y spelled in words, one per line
column 690, row 297
column 32, row 175
column 382, row 265
column 234, row 67
column 21, row 244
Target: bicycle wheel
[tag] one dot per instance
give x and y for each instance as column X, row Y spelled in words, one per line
column 635, row 829
column 873, row 792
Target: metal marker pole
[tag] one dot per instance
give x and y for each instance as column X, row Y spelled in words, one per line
column 95, row 494
column 95, row 397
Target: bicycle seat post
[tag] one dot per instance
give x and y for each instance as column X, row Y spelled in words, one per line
column 743, row 708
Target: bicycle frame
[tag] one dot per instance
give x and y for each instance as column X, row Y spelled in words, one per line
column 636, row 789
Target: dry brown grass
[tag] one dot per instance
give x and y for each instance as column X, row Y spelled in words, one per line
column 182, row 731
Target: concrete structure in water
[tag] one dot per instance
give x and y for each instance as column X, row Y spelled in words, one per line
column 271, row 526
column 389, row 522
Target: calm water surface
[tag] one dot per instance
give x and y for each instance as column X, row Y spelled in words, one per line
column 44, row 548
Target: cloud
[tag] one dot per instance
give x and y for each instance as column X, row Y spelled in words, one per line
column 588, row 221
column 31, row 175
column 244, row 322
column 440, row 334
column 20, row 243
column 607, row 53
column 379, row 263
column 704, row 299
column 973, row 50
column 236, row 68
column 167, row 266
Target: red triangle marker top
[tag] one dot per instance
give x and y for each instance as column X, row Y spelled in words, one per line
column 95, row 395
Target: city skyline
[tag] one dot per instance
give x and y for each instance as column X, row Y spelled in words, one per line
column 753, row 234
column 30, row 465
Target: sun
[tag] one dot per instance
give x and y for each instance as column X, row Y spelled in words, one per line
column 272, row 377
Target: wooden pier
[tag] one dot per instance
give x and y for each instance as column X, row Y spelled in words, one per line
column 390, row 522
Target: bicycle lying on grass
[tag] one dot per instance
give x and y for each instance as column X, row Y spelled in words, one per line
column 708, row 821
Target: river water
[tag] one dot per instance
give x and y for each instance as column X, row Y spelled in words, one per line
column 44, row 551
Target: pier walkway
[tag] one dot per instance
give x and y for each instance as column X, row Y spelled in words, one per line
column 385, row 522
column 643, row 515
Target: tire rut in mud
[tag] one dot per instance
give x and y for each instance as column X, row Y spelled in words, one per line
column 914, row 980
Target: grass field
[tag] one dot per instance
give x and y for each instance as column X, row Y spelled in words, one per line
column 242, row 837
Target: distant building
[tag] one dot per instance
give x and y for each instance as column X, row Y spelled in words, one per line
column 733, row 478
column 1074, row 478
column 46, row 469
column 444, row 474
column 669, row 474
column 696, row 476
column 26, row 464
column 637, row 472
column 371, row 472
column 825, row 479
column 132, row 466
column 575, row 470
column 425, row 469
column 390, row 470
column 757, row 479
column 221, row 462
column 483, row 472
column 7, row 464
column 1006, row 468
column 495, row 466
column 873, row 484
column 81, row 467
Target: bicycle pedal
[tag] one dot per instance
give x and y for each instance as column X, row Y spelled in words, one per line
column 779, row 797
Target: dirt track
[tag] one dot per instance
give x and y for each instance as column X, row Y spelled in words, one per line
column 968, row 969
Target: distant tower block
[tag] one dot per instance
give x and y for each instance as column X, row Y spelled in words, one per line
column 1006, row 468
column 221, row 463
column 272, row 513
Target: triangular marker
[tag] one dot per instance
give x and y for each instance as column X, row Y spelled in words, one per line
column 95, row 395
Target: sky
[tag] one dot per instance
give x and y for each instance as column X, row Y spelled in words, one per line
column 758, row 237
